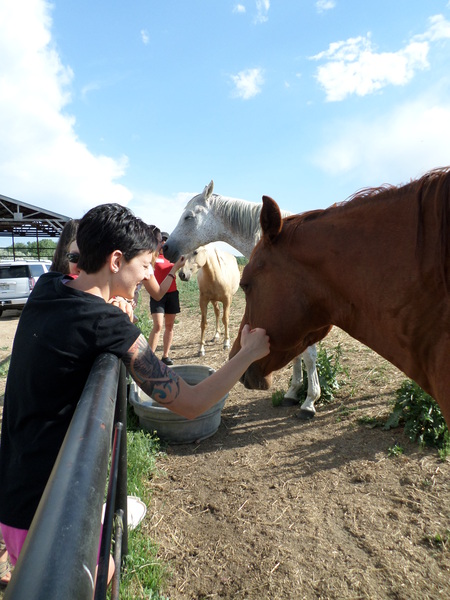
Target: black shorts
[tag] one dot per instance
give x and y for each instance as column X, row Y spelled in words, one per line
column 169, row 304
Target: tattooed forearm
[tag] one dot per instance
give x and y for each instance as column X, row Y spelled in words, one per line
column 157, row 380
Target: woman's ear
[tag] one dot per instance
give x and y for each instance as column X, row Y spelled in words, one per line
column 115, row 261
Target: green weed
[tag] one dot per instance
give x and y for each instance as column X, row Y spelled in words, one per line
column 395, row 450
column 421, row 417
column 439, row 540
column 277, row 397
column 330, row 371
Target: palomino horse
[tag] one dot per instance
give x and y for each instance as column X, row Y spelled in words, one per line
column 218, row 278
column 377, row 266
column 209, row 218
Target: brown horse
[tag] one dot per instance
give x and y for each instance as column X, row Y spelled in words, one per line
column 377, row 266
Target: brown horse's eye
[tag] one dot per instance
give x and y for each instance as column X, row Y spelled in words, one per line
column 244, row 287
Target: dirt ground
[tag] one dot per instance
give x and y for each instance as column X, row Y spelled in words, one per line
column 272, row 507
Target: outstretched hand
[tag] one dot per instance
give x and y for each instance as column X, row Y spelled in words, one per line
column 180, row 262
column 255, row 341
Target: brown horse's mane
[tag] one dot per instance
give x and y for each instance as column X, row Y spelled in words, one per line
column 433, row 187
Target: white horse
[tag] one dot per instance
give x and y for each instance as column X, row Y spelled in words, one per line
column 218, row 278
column 209, row 218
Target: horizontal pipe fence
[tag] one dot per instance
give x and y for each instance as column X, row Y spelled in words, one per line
column 59, row 558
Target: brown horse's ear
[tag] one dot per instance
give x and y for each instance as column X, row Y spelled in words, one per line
column 270, row 218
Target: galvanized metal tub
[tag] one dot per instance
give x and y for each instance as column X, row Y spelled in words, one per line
column 171, row 427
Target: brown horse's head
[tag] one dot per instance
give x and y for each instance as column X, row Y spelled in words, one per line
column 273, row 299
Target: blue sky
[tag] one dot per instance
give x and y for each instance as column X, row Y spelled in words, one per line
column 145, row 102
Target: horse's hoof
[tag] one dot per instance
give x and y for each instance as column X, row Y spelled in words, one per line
column 305, row 415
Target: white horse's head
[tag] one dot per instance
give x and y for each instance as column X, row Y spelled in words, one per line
column 194, row 228
column 210, row 218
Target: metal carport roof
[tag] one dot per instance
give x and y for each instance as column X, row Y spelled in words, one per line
column 18, row 219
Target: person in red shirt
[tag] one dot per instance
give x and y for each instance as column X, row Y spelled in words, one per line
column 163, row 309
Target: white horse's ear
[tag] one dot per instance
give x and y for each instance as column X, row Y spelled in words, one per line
column 270, row 218
column 208, row 189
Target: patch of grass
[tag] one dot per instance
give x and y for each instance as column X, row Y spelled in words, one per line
column 143, row 574
column 143, row 449
column 144, row 320
column 421, row 417
column 4, row 367
column 371, row 422
column 345, row 411
column 189, row 293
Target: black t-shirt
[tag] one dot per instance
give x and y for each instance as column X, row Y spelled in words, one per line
column 60, row 333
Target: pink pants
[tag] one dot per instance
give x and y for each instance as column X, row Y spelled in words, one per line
column 14, row 540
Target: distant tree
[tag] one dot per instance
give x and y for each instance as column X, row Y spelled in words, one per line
column 30, row 249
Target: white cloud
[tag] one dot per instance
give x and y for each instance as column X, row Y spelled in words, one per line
column 395, row 147
column 354, row 66
column 323, row 5
column 262, row 8
column 42, row 161
column 247, row 83
column 439, row 29
column 144, row 36
column 239, row 8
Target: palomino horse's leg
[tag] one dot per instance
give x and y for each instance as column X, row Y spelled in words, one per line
column 216, row 307
column 225, row 319
column 203, row 323
column 309, row 357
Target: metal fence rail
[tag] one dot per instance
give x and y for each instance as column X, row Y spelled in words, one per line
column 59, row 558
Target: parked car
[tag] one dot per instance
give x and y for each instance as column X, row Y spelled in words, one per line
column 17, row 279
